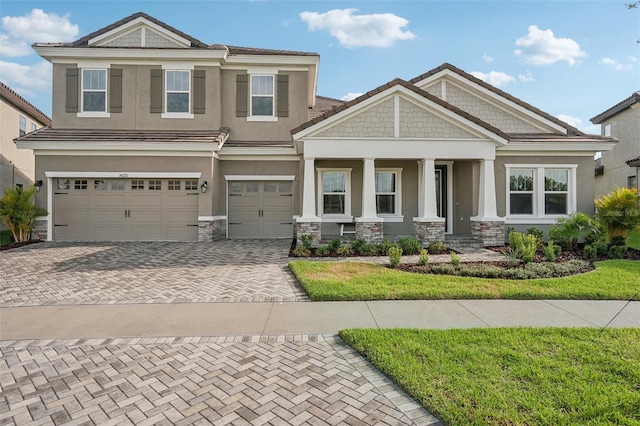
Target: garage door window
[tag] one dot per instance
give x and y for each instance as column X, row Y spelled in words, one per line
column 235, row 187
column 117, row 185
column 174, row 185
column 155, row 185
column 191, row 185
column 137, row 185
column 99, row 185
column 80, row 184
column 269, row 187
column 63, row 184
column 286, row 188
column 252, row 186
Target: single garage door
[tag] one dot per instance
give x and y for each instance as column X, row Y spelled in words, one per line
column 125, row 209
column 260, row 209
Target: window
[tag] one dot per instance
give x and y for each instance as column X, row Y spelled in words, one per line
column 607, row 130
column 178, row 88
column 262, row 95
column 335, row 192
column 94, row 90
column 99, row 185
column 137, row 184
column 540, row 191
column 191, row 185
column 33, row 127
column 23, row 126
column 632, row 182
column 80, row 184
column 64, row 184
column 155, row 185
column 235, row 187
column 117, row 185
column 286, row 188
column 387, row 192
column 174, row 185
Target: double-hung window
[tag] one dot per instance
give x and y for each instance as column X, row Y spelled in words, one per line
column 521, row 191
column 178, row 91
column 23, row 126
column 556, row 191
column 335, row 192
column 262, row 95
column 388, row 201
column 94, row 90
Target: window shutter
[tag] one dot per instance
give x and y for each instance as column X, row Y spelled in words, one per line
column 156, row 91
column 72, row 90
column 242, row 95
column 115, row 90
column 282, row 95
column 199, row 91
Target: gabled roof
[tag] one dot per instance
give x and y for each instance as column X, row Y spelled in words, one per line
column 617, row 108
column 409, row 86
column 322, row 105
column 466, row 75
column 23, row 105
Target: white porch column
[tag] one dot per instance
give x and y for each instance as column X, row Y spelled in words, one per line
column 369, row 191
column 309, row 193
column 487, row 192
column 429, row 207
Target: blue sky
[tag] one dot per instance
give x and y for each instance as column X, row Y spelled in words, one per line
column 572, row 59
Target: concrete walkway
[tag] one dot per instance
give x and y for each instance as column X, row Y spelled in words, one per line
column 265, row 319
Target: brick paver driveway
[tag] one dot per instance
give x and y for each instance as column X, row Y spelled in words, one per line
column 149, row 272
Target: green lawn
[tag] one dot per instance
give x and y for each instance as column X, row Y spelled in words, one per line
column 515, row 376
column 612, row 279
column 634, row 240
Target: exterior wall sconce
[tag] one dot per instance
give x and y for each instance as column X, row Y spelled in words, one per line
column 38, row 185
column 204, row 186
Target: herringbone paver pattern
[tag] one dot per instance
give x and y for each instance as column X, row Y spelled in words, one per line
column 149, row 272
column 310, row 380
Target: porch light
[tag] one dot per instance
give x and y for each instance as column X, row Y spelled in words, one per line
column 38, row 185
column 204, row 186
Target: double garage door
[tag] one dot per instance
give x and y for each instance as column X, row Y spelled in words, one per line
column 125, row 209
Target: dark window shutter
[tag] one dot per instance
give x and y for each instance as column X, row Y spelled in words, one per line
column 72, row 90
column 282, row 95
column 199, row 91
column 242, row 95
column 115, row 90
column 156, row 91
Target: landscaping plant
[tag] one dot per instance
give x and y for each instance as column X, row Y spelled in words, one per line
column 437, row 247
column 455, row 260
column 619, row 212
column 409, row 245
column 522, row 246
column 550, row 251
column 384, row 247
column 423, row 257
column 334, row 245
column 568, row 231
column 19, row 213
column 395, row 253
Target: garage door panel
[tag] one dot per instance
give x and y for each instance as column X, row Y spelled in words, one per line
column 274, row 215
column 73, row 200
column 182, row 201
column 139, row 215
column 244, row 202
column 70, row 233
column 112, row 216
column 75, row 216
column 277, row 202
column 182, row 232
column 110, row 232
column 108, row 200
column 145, row 200
column 243, row 230
column 277, row 229
column 186, row 217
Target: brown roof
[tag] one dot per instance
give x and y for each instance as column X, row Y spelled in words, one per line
column 258, row 144
column 22, row 104
column 239, row 50
column 47, row 134
column 506, row 95
column 322, row 105
column 616, row 109
column 405, row 84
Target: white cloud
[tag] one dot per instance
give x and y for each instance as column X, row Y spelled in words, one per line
column 613, row 63
column 349, row 96
column 495, row 78
column 375, row 30
column 27, row 79
column 19, row 32
column 632, row 58
column 541, row 47
column 487, row 58
column 526, row 77
column 578, row 123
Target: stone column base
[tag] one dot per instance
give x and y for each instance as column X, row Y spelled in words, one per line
column 212, row 230
column 314, row 229
column 427, row 230
column 490, row 232
column 40, row 229
column 371, row 232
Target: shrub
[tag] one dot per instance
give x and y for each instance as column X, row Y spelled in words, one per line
column 523, row 246
column 334, row 244
column 437, row 247
column 369, row 250
column 395, row 253
column 409, row 245
column 301, row 251
column 550, row 251
column 306, row 241
column 384, row 247
column 455, row 260
column 323, row 251
column 357, row 246
column 617, row 252
column 539, row 235
column 344, row 251
column 619, row 212
column 444, row 269
column 423, row 258
column 19, row 213
column 618, row 240
column 590, row 252
column 602, row 248
column 567, row 231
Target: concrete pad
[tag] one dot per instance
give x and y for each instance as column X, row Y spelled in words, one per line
column 318, row 317
column 523, row 313
column 432, row 314
column 601, row 312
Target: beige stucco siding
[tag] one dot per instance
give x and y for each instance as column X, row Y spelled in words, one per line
column 416, row 122
column 376, row 121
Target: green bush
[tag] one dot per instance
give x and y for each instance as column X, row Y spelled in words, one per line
column 602, row 248
column 590, row 252
column 306, row 241
column 568, row 231
column 384, row 247
column 617, row 252
column 455, row 260
column 19, row 213
column 301, row 251
column 344, row 251
column 618, row 240
column 550, row 251
column 409, row 245
column 443, row 269
column 522, row 246
column 369, row 250
column 619, row 212
column 5, row 238
column 358, row 246
column 437, row 247
column 538, row 233
column 530, row 270
column 423, row 258
column 395, row 253
column 323, row 251
column 335, row 244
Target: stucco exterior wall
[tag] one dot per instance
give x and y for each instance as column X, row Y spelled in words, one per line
column 376, row 121
column 416, row 122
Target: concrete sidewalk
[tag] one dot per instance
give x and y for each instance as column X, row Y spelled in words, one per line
column 264, row 319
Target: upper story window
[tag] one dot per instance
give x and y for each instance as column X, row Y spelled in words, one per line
column 94, row 90
column 607, row 130
column 178, row 91
column 262, row 95
column 23, row 125
column 33, row 127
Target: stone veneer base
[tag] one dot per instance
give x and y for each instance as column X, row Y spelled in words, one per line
column 212, row 230
column 427, row 232
column 492, row 233
column 308, row 228
column 40, row 229
column 371, row 232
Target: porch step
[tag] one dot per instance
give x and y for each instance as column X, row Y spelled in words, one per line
column 462, row 243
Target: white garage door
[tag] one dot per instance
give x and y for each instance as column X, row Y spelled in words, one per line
column 260, row 209
column 125, row 209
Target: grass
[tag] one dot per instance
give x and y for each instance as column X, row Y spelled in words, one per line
column 634, row 239
column 612, row 280
column 515, row 376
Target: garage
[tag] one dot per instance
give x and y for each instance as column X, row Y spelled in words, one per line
column 260, row 209
column 123, row 209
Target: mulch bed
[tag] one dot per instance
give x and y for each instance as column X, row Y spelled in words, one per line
column 16, row 245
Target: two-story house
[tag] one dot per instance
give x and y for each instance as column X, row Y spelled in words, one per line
column 159, row 136
column 619, row 166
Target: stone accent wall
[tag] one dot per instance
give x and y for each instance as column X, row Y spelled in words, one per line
column 416, row 122
column 371, row 232
column 308, row 228
column 492, row 233
column 39, row 230
column 487, row 112
column 133, row 39
column 376, row 121
column 427, row 232
column 212, row 230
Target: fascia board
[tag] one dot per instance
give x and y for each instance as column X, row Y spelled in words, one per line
column 542, row 147
column 93, row 146
column 53, row 54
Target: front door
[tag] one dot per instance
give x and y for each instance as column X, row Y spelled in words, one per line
column 441, row 193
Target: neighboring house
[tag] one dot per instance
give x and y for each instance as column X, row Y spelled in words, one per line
column 620, row 166
column 158, row 136
column 17, row 118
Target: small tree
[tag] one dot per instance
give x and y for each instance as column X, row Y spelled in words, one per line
column 619, row 212
column 19, row 213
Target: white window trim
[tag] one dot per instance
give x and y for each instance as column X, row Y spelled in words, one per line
column 252, row 117
column 22, row 130
column 167, row 114
column 538, row 215
column 94, row 114
column 397, row 193
column 347, row 197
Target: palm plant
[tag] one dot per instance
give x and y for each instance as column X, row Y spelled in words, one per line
column 18, row 212
column 619, row 212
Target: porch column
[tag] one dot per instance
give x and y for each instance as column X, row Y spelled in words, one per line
column 428, row 227
column 487, row 226
column 369, row 226
column 309, row 222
